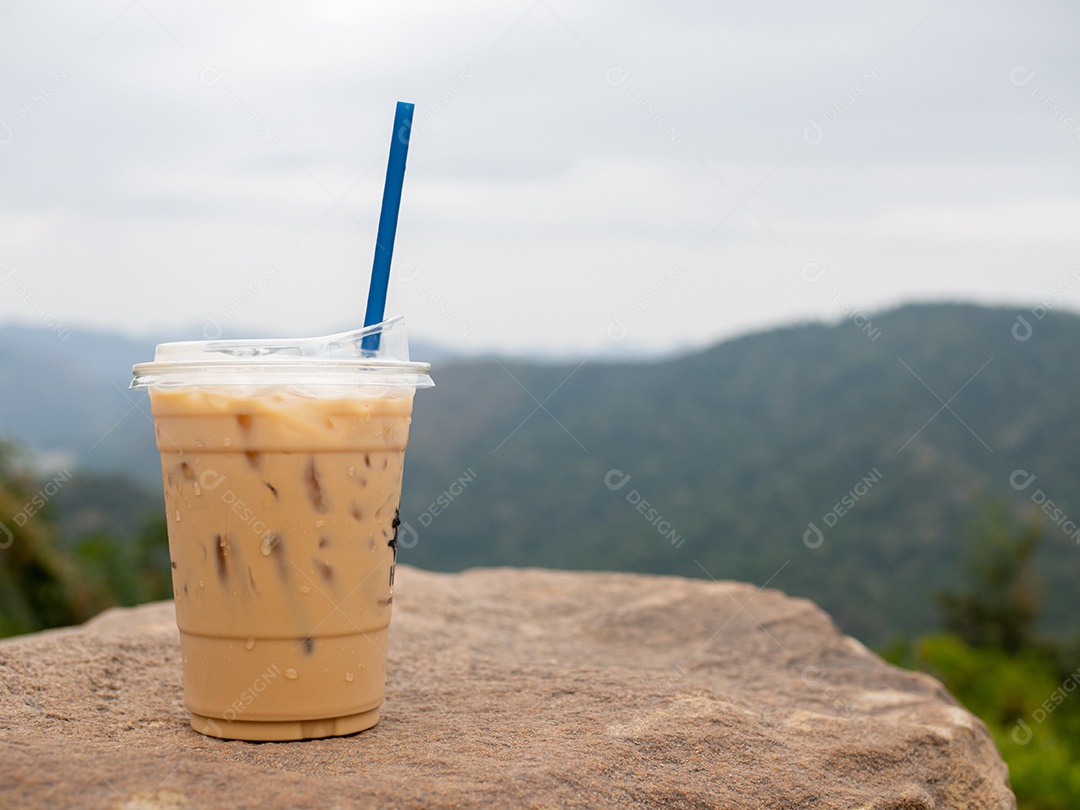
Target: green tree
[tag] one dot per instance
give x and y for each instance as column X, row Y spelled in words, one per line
column 1000, row 606
column 1024, row 689
column 39, row 585
column 45, row 584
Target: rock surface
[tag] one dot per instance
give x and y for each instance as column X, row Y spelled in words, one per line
column 517, row 688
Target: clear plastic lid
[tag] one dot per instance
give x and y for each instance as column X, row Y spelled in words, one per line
column 375, row 355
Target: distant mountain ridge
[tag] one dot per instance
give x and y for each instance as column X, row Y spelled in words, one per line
column 810, row 457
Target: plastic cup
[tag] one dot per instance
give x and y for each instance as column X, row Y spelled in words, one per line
column 281, row 464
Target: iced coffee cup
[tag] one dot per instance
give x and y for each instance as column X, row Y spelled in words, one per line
column 282, row 465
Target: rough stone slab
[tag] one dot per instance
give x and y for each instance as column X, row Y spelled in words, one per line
column 517, row 688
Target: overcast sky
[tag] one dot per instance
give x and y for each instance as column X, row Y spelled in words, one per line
column 582, row 177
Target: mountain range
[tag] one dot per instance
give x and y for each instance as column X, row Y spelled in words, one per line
column 834, row 462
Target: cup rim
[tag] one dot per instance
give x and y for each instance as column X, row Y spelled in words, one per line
column 375, row 355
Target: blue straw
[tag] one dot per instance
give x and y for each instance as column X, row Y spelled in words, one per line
column 391, row 203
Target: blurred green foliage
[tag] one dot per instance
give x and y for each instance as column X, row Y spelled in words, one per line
column 46, row 583
column 1026, row 689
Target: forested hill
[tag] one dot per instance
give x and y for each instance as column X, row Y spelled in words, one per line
column 843, row 466
column 892, row 447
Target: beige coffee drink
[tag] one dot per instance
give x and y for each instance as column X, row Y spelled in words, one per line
column 282, row 472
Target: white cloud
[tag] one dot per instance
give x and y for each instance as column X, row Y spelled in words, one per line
column 540, row 191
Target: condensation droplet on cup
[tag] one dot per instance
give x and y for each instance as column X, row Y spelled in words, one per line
column 319, row 524
column 177, row 515
column 349, row 677
column 201, row 585
column 249, row 644
column 227, row 442
column 305, row 589
column 351, row 471
column 291, row 674
column 198, row 489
